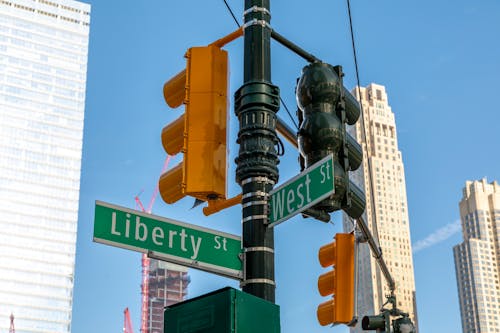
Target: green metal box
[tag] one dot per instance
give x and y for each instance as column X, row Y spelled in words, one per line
column 225, row 310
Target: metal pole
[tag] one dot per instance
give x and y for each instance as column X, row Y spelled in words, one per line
column 256, row 104
column 293, row 47
column 377, row 253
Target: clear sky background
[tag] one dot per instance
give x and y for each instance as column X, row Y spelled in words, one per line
column 440, row 64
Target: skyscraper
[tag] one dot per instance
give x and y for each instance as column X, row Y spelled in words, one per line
column 43, row 65
column 477, row 258
column 383, row 180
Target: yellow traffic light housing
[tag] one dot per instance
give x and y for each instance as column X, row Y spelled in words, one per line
column 200, row 133
column 338, row 282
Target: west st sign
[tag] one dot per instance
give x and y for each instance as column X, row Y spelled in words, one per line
column 308, row 188
column 169, row 240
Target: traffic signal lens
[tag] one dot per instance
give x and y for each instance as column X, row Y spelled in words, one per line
column 370, row 323
column 325, row 312
column 327, row 254
column 170, row 185
column 326, row 283
column 172, row 136
column 174, row 90
column 353, row 111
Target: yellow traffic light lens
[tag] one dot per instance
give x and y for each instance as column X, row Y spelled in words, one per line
column 170, row 185
column 325, row 312
column 174, row 90
column 326, row 283
column 327, row 255
column 172, row 136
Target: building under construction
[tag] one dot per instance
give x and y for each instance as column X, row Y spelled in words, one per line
column 166, row 285
column 163, row 284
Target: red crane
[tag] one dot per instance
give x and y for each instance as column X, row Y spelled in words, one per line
column 145, row 259
column 127, row 322
column 12, row 329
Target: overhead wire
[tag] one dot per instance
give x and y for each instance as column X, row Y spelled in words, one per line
column 362, row 125
column 281, row 99
column 377, row 254
column 232, row 13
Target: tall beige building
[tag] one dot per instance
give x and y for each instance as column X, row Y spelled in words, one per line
column 477, row 258
column 386, row 207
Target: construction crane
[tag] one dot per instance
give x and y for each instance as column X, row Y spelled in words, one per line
column 12, row 329
column 145, row 260
column 145, row 281
column 127, row 322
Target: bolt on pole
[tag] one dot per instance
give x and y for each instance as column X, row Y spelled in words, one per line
column 256, row 104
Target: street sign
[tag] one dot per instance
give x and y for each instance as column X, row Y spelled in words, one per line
column 169, row 240
column 301, row 192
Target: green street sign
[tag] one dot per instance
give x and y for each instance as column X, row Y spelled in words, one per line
column 302, row 191
column 169, row 240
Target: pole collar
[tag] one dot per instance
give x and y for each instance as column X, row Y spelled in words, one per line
column 259, row 249
column 254, row 203
column 254, row 281
column 254, row 217
column 265, row 180
column 254, row 9
column 262, row 23
column 255, row 194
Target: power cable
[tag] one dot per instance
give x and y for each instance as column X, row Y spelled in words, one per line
column 380, row 260
column 232, row 13
column 363, row 129
column 289, row 114
column 281, row 99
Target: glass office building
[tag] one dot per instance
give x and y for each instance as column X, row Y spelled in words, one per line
column 43, row 65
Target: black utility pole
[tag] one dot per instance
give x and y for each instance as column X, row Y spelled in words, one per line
column 256, row 104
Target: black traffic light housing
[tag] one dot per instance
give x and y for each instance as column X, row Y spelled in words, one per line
column 379, row 323
column 382, row 322
column 325, row 107
column 403, row 325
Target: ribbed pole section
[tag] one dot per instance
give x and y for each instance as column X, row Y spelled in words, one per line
column 256, row 104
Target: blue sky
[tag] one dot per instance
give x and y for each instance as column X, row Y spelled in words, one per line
column 439, row 62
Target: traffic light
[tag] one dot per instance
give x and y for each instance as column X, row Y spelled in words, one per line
column 403, row 325
column 325, row 107
column 338, row 282
column 379, row 323
column 200, row 133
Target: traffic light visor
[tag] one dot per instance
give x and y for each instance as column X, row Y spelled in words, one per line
column 170, row 185
column 325, row 312
column 326, row 283
column 172, row 136
column 327, row 254
column 174, row 90
column 370, row 323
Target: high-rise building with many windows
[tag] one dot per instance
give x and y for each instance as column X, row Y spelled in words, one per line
column 43, row 66
column 477, row 258
column 383, row 180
